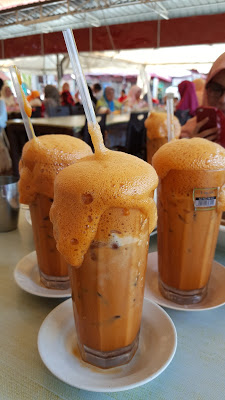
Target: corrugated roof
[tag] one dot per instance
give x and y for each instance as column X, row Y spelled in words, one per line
column 53, row 16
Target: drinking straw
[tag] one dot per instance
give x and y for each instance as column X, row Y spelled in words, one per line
column 170, row 116
column 146, row 81
column 95, row 132
column 19, row 93
column 149, row 95
column 81, row 82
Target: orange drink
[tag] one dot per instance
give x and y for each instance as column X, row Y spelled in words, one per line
column 42, row 159
column 157, row 134
column 191, row 197
column 102, row 224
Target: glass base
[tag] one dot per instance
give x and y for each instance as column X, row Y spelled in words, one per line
column 183, row 297
column 55, row 282
column 109, row 359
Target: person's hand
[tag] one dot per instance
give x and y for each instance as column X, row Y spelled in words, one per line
column 104, row 110
column 185, row 135
column 210, row 134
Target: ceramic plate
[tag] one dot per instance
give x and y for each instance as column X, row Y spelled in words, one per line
column 27, row 277
column 58, row 349
column 214, row 298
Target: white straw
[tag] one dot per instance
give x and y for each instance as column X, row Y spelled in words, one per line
column 81, row 82
column 149, row 95
column 170, row 116
column 26, row 119
column 145, row 79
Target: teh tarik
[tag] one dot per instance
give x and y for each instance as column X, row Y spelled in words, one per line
column 191, row 197
column 103, row 213
column 157, row 132
column 42, row 159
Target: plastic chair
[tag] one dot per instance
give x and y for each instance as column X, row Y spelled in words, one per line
column 36, row 112
column 115, row 136
column 77, row 110
column 14, row 115
column 136, row 135
column 183, row 116
column 17, row 138
column 59, row 111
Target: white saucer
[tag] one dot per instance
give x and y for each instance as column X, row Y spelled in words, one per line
column 214, row 298
column 58, row 349
column 27, row 277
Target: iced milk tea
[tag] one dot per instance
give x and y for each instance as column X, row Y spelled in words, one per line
column 157, row 134
column 107, row 249
column 191, row 197
column 42, row 159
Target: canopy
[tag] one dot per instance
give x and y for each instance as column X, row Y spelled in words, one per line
column 163, row 62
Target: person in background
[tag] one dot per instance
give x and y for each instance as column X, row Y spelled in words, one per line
column 107, row 104
column 93, row 98
column 10, row 100
column 5, row 160
column 155, row 102
column 160, row 95
column 34, row 99
column 66, row 97
column 213, row 96
column 188, row 103
column 175, row 102
column 97, row 92
column 77, row 98
column 134, row 101
column 199, row 89
column 123, row 96
column 52, row 98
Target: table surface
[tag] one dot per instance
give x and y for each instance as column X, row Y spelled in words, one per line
column 197, row 371
column 72, row 121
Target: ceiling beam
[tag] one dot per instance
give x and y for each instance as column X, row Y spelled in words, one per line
column 173, row 32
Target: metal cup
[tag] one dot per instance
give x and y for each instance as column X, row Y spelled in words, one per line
column 9, row 203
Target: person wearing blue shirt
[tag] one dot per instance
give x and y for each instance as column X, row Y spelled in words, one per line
column 107, row 104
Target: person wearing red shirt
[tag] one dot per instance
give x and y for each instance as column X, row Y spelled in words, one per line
column 66, row 97
column 122, row 96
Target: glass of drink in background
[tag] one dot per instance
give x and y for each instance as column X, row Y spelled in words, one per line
column 102, row 225
column 191, row 197
column 42, row 159
column 157, row 132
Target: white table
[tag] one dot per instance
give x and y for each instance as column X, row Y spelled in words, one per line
column 72, row 121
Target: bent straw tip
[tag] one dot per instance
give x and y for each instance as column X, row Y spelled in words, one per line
column 23, row 104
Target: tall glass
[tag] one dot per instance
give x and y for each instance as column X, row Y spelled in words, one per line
column 189, row 214
column 157, row 132
column 53, row 268
column 42, row 159
column 103, row 213
column 108, row 288
column 153, row 144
